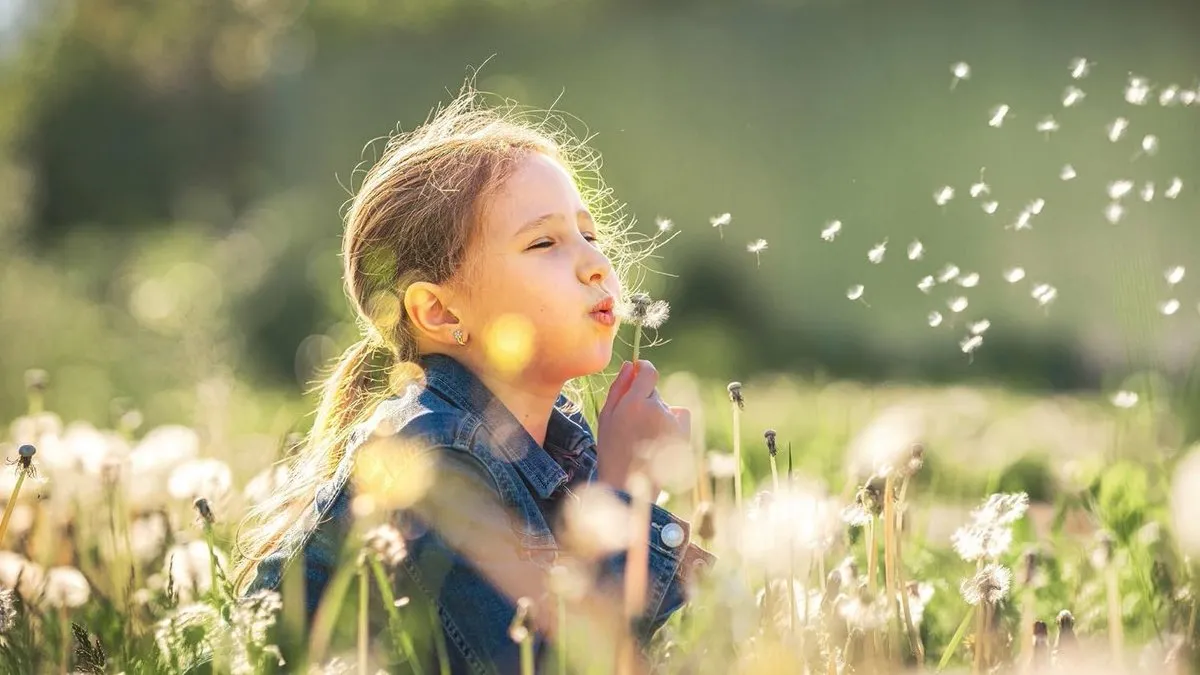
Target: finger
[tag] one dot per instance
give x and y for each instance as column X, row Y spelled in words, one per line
column 618, row 388
column 644, row 381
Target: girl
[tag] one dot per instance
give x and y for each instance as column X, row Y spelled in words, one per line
column 480, row 274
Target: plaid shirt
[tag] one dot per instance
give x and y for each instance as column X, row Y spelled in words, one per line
column 484, row 521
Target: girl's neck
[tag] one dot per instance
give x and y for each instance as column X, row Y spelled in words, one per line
column 530, row 405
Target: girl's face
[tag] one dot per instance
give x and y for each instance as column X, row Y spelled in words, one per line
column 538, row 275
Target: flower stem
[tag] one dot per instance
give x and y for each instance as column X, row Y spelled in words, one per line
column 527, row 656
column 914, row 638
column 11, row 505
column 889, row 562
column 364, row 604
column 64, row 625
column 981, row 620
column 737, row 457
column 389, row 603
column 637, row 343
column 958, row 637
column 214, row 587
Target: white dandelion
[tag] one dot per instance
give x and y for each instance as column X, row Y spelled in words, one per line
column 664, row 224
column 957, row 304
column 971, row 343
column 934, row 319
column 1175, row 274
column 997, row 115
column 1125, row 399
column 208, row 478
column 979, row 327
column 757, row 247
column 916, row 250
column 1137, row 91
column 1014, row 274
column 1080, row 67
column 720, row 222
column 831, row 231
column 1147, row 192
column 1114, row 212
column 1072, row 96
column 1116, row 129
column 990, row 584
column 943, row 195
column 66, row 588
column 875, row 255
column 990, row 207
column 1168, row 307
column 926, row 284
column 855, row 292
column 950, row 271
column 1175, row 187
column 969, row 280
column 1047, row 125
column 1150, row 144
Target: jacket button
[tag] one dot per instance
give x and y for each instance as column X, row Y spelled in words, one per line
column 672, row 535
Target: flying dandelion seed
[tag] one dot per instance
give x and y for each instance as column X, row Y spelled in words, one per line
column 1147, row 191
column 1044, row 294
column 958, row 304
column 1035, row 207
column 1168, row 307
column 1080, row 67
column 934, row 319
column 832, row 228
column 997, row 115
column 1174, row 188
column 969, row 280
column 875, row 255
column 1072, row 96
column 1067, row 173
column 970, row 344
column 961, row 71
column 1013, row 275
column 944, row 195
column 1137, row 91
column 1116, row 129
column 1119, row 188
column 979, row 327
column 1114, row 212
column 990, row 207
column 1023, row 221
column 926, row 284
column 1125, row 399
column 720, row 222
column 757, row 247
column 948, row 272
column 1188, row 97
column 1174, row 275
column 916, row 250
column 855, row 292
column 980, row 188
column 1047, row 125
column 664, row 224
column 1169, row 96
column 1150, row 144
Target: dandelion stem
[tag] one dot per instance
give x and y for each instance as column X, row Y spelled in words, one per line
column 737, row 456
column 1116, row 633
column 637, row 343
column 389, row 603
column 12, row 504
column 364, row 603
column 981, row 621
column 527, row 656
column 214, row 586
column 914, row 638
column 889, row 563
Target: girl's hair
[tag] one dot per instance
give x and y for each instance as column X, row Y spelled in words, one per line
column 412, row 219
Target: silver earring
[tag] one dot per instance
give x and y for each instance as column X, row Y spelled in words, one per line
column 459, row 337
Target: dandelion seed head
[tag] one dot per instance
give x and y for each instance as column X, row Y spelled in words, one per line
column 1150, row 144
column 997, row 115
column 832, row 228
column 1080, row 67
column 1072, row 96
column 957, row 304
column 1137, row 91
column 1116, row 129
column 387, row 544
column 757, row 246
column 926, row 284
column 855, row 292
column 1125, row 399
column 1168, row 307
column 1174, row 188
column 943, row 195
column 934, row 319
column 1003, row 508
column 990, row 207
column 1067, row 173
column 915, row 250
column 990, row 585
column 969, row 280
column 1174, row 275
column 981, row 540
column 875, row 255
column 209, row 478
column 66, row 588
column 1014, row 274
column 721, row 220
column 862, row 612
column 971, row 343
column 641, row 310
column 1114, row 212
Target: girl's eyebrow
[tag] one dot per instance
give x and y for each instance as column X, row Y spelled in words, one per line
column 545, row 218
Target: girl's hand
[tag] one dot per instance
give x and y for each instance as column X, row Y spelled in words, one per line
column 635, row 421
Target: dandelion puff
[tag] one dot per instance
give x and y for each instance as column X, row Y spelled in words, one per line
column 387, row 544
column 971, row 343
column 926, row 284
column 664, row 224
column 943, row 195
column 1072, row 96
column 1150, row 144
column 934, row 319
column 640, row 310
column 1137, row 91
column 875, row 255
column 961, row 71
column 855, row 292
column 1047, row 125
column 1068, row 172
column 200, row 478
column 916, row 250
column 1003, row 508
column 1116, row 129
column 1174, row 188
column 1174, row 275
column 831, row 231
column 1147, row 192
column 65, row 587
column 950, row 271
column 979, row 327
column 1168, row 307
column 997, row 115
column 720, row 222
column 969, row 280
column 990, row 207
column 1119, row 188
column 981, row 539
column 757, row 247
column 957, row 304
column 1080, row 67
column 1014, row 274
column 990, row 584
column 1124, row 399
column 1114, row 212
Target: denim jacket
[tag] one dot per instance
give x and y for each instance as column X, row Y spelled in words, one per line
column 499, row 494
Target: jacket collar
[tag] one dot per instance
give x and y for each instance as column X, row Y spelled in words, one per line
column 567, row 436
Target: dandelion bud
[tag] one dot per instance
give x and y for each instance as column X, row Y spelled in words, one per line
column 205, row 511
column 1066, row 629
column 705, row 522
column 518, row 630
column 1030, row 568
column 1041, row 643
column 735, row 394
column 36, row 380
column 640, row 310
column 769, row 434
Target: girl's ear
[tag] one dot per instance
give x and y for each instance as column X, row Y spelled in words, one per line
column 426, row 306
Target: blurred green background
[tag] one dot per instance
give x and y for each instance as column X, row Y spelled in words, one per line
column 172, row 174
